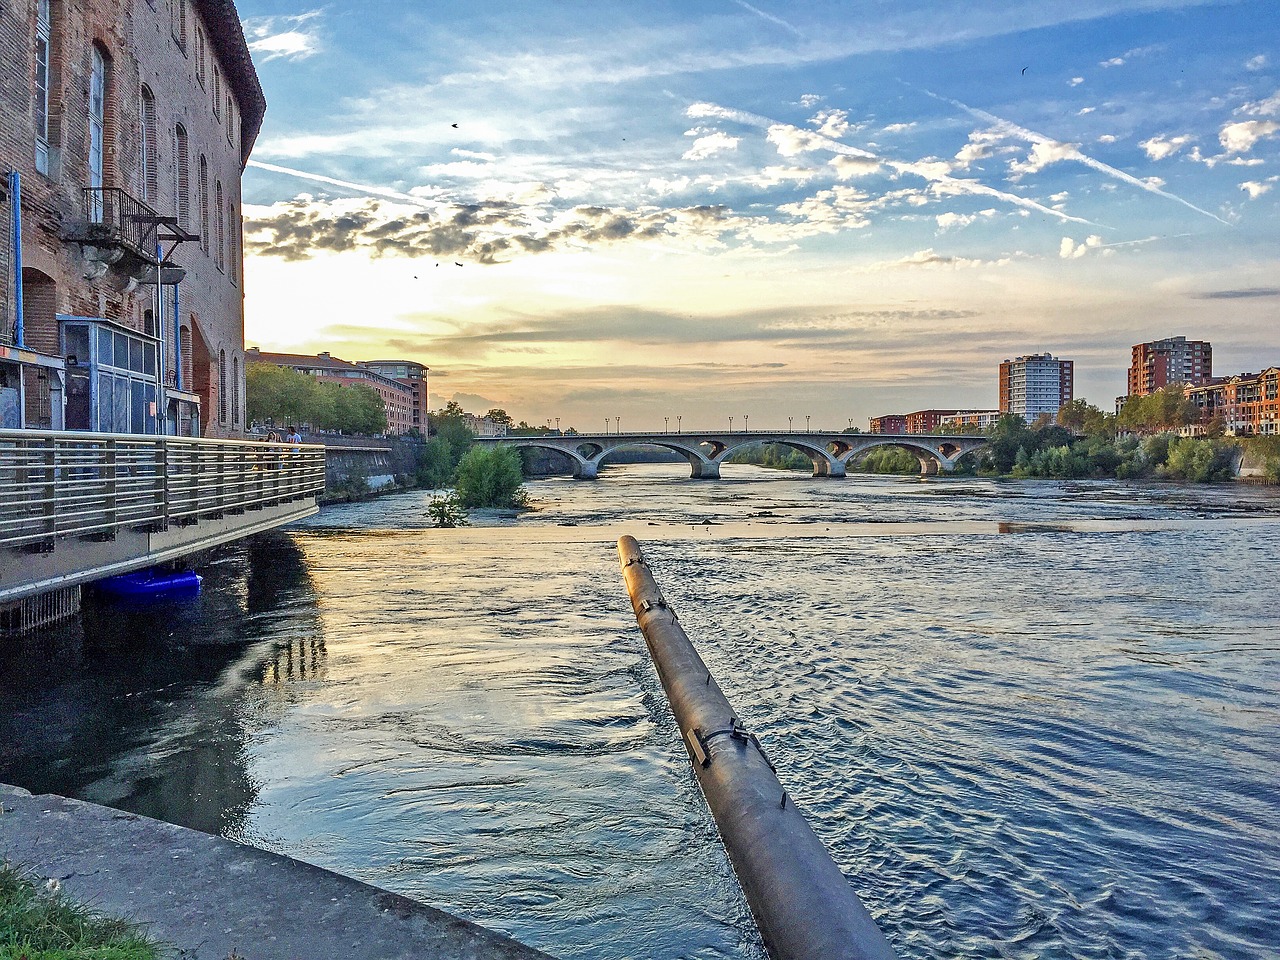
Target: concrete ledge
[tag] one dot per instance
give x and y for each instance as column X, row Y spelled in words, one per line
column 209, row 896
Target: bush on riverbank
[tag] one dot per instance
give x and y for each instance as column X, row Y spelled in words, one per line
column 889, row 460
column 490, row 477
column 41, row 924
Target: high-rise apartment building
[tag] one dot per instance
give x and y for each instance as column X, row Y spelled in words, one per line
column 1035, row 384
column 1159, row 363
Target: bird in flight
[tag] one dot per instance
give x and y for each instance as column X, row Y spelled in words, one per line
column 1024, row 70
column 456, row 263
column 454, row 125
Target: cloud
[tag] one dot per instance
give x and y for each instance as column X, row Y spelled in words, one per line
column 1128, row 55
column 1269, row 107
column 831, row 123
column 1108, row 138
column 1075, row 81
column 1070, row 250
column 948, row 220
column 486, row 233
column 295, row 37
column 1045, row 150
column 1259, row 62
column 344, row 184
column 846, row 167
column 710, row 145
column 1256, row 188
column 1160, row 147
column 791, row 141
column 899, row 127
column 931, row 260
column 980, row 146
column 1248, row 293
column 1241, row 136
column 1113, row 62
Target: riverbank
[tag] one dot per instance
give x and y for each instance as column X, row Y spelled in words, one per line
column 213, row 898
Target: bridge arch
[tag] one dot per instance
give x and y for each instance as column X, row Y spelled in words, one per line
column 701, row 466
column 825, row 462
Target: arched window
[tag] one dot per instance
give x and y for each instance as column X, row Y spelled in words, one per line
column 97, row 131
column 235, row 390
column 200, row 54
column 217, row 92
column 178, row 22
column 221, row 258
column 182, row 176
column 184, row 347
column 204, row 204
column 44, row 34
column 233, row 242
column 149, row 151
column 222, row 386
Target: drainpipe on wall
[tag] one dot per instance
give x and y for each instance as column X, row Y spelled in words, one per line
column 177, row 342
column 162, row 400
column 15, row 197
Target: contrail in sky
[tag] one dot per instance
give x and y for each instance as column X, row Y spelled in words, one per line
column 345, row 184
column 944, row 182
column 1009, row 128
column 770, row 17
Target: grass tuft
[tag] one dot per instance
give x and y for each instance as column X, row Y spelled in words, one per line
column 38, row 922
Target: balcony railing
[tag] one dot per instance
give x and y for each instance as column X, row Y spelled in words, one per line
column 116, row 215
column 92, row 485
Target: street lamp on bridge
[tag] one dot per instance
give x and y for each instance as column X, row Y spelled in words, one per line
column 789, row 427
column 666, row 424
column 557, row 424
column 806, row 423
column 606, row 425
column 679, row 422
column 617, row 424
column 746, row 423
column 731, row 424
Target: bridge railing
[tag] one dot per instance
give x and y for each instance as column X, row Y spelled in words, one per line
column 67, row 483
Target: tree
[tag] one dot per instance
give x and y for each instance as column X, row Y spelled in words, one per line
column 490, row 477
column 498, row 415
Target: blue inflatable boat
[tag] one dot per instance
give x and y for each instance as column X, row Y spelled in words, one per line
column 151, row 584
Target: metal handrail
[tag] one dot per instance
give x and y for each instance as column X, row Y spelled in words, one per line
column 127, row 217
column 62, row 483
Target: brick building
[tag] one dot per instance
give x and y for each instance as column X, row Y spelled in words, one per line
column 134, row 121
column 1158, row 363
column 962, row 419
column 414, row 376
column 895, row 423
column 1036, row 384
column 1248, row 403
column 397, row 397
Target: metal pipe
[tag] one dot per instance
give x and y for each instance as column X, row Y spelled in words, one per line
column 802, row 904
column 15, row 197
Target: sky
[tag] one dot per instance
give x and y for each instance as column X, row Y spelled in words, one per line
column 762, row 210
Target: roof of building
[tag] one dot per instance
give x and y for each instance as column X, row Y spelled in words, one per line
column 321, row 361
column 232, row 50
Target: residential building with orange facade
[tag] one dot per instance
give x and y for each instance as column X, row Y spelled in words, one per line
column 1158, row 363
column 414, row 376
column 1248, row 403
column 894, row 423
column 397, row 397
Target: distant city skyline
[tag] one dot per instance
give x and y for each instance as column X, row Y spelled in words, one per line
column 753, row 209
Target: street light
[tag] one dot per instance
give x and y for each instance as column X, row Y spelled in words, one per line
column 679, row 421
column 746, row 423
column 851, row 423
column 806, row 423
column 666, row 424
column 606, row 425
column 731, row 424
column 617, row 424
column 789, row 428
column 557, row 424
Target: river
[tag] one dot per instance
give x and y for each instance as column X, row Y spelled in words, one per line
column 1029, row 719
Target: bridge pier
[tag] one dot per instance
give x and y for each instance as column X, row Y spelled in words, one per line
column 586, row 469
column 928, row 466
column 831, row 469
column 705, row 469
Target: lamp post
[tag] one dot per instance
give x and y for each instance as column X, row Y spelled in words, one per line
column 557, row 424
column 851, row 424
column 746, row 423
column 731, row 424
column 606, row 425
column 617, row 424
column 679, row 424
column 666, row 424
column 789, row 427
column 806, row 423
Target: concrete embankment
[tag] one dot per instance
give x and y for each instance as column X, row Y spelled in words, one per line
column 209, row 896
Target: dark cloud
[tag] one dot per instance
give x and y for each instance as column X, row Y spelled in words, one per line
column 488, row 232
column 1245, row 294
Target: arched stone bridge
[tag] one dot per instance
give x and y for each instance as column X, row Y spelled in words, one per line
column 830, row 452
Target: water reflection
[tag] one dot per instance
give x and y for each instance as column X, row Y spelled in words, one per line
column 142, row 706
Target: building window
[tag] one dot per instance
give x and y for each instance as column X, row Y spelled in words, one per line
column 220, row 256
column 230, row 118
column 235, row 390
column 233, row 242
column 217, row 92
column 97, row 131
column 222, row 386
column 178, row 22
column 182, row 176
column 44, row 31
column 204, row 204
column 200, row 54
column 150, row 160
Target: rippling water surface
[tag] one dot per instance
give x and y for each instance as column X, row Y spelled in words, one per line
column 1029, row 719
